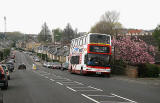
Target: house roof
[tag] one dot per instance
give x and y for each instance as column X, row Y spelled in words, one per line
column 133, row 31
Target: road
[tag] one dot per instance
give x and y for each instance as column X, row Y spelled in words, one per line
column 55, row 86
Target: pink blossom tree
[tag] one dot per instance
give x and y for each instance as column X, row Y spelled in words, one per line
column 133, row 51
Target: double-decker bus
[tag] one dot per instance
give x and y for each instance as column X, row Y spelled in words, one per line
column 90, row 54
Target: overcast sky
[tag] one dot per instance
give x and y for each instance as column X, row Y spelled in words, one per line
column 28, row 16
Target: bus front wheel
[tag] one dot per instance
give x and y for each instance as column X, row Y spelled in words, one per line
column 81, row 71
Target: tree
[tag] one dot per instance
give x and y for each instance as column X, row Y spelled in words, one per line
column 44, row 35
column 57, row 33
column 14, row 36
column 133, row 51
column 156, row 35
column 108, row 23
column 68, row 34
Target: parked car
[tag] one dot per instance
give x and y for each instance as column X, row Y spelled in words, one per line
column 48, row 64
column 64, row 66
column 12, row 56
column 36, row 59
column 12, row 60
column 10, row 66
column 45, row 64
column 3, row 78
column 56, row 65
column 7, row 71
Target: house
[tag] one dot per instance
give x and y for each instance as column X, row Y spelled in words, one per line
column 31, row 45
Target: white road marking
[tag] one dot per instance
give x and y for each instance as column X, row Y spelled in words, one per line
column 79, row 87
column 73, row 84
column 90, row 98
column 52, row 80
column 124, row 98
column 63, row 80
column 100, row 96
column 46, row 77
column 113, row 102
column 66, row 78
column 87, row 90
column 71, row 89
column 59, row 78
column 95, row 88
column 59, row 83
column 68, row 82
column 77, row 82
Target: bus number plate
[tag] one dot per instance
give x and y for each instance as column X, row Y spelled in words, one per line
column 98, row 72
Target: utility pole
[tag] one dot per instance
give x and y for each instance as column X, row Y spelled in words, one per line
column 52, row 34
column 5, row 28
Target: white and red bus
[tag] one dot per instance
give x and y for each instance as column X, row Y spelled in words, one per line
column 90, row 54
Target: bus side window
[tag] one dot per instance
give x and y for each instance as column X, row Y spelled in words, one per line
column 85, row 59
column 86, row 39
column 74, row 60
column 81, row 41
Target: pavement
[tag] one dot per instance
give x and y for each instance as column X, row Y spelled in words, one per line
column 55, row 86
column 145, row 81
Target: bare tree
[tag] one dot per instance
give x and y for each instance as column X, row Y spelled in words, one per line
column 110, row 17
column 108, row 23
column 68, row 34
column 45, row 34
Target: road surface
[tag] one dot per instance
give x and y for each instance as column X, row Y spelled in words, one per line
column 55, row 86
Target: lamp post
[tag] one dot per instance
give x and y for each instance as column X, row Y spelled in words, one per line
column 5, row 30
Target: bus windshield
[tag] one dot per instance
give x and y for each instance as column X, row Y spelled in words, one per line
column 96, row 38
column 97, row 60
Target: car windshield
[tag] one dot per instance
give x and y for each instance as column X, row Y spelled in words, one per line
column 50, row 63
column 65, row 64
column 97, row 60
column 56, row 63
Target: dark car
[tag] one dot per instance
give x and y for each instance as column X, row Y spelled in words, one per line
column 12, row 56
column 22, row 66
column 3, row 78
column 56, row 65
column 10, row 66
column 64, row 66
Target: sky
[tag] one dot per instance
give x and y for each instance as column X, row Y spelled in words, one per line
column 27, row 16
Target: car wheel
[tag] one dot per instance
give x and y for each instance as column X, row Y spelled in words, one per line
column 5, row 86
column 9, row 78
column 81, row 71
column 71, row 71
column 62, row 68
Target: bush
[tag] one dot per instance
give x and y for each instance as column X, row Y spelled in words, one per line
column 55, row 60
column 148, row 70
column 43, row 56
column 1, row 55
column 4, row 54
column 118, row 67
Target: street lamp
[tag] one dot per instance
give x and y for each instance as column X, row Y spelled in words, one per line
column 5, row 29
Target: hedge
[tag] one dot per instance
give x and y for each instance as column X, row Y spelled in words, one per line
column 148, row 70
